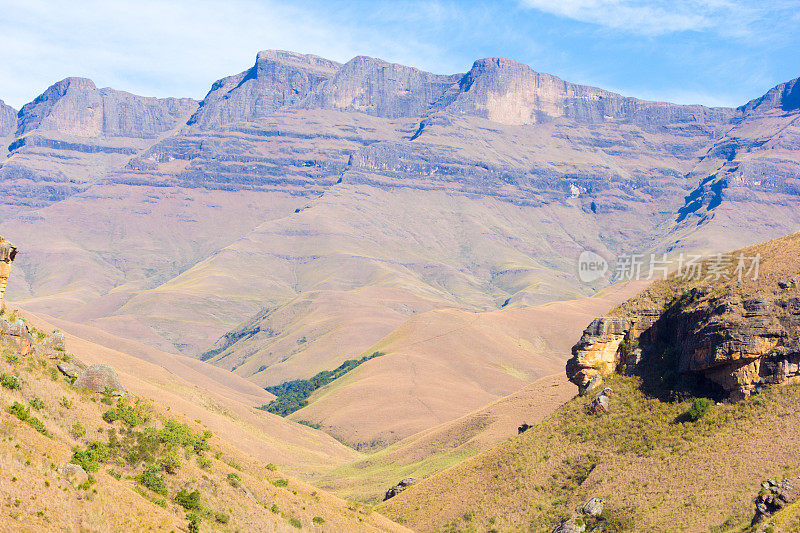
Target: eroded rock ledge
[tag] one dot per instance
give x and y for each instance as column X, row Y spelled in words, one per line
column 733, row 338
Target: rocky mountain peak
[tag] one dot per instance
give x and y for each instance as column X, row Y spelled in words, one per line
column 8, row 119
column 75, row 106
column 785, row 96
column 377, row 87
column 277, row 79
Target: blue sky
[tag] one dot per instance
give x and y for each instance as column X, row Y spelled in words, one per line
column 715, row 52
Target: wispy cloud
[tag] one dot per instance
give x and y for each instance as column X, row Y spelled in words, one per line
column 659, row 17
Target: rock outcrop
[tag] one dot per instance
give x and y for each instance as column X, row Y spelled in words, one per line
column 99, row 378
column 400, row 487
column 775, row 496
column 8, row 252
column 732, row 337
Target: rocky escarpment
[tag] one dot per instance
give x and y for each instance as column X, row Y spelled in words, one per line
column 8, row 119
column 277, row 79
column 731, row 336
column 74, row 106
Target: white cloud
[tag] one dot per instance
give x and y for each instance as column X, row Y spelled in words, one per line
column 659, row 17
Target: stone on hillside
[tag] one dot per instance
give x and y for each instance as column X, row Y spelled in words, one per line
column 400, row 487
column 76, row 473
column 600, row 404
column 17, row 335
column 573, row 524
column 71, row 368
column 775, row 496
column 99, row 378
column 55, row 341
column 593, row 507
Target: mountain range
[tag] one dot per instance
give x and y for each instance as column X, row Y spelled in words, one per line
column 308, row 212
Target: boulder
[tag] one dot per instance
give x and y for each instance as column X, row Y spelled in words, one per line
column 400, row 487
column 601, row 403
column 55, row 342
column 593, row 507
column 71, row 369
column 523, row 428
column 17, row 335
column 775, row 496
column 99, row 378
column 573, row 524
column 75, row 473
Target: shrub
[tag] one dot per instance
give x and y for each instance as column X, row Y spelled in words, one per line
column 194, row 522
column 65, row 403
column 37, row 403
column 10, row 382
column 294, row 522
column 12, row 359
column 700, row 407
column 151, row 479
column 318, row 520
column 188, row 500
column 281, row 482
column 222, row 518
column 234, row 479
column 24, row 414
column 90, row 457
column 132, row 415
column 271, row 467
column 170, row 462
column 77, row 430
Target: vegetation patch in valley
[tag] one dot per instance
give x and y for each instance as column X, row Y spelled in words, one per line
column 293, row 395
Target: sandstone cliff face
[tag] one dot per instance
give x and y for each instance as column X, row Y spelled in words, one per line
column 277, row 79
column 7, row 254
column 375, row 87
column 505, row 91
column 735, row 336
column 74, row 106
column 8, row 119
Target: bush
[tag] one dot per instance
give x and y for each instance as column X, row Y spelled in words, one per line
column 90, row 457
column 234, row 479
column 132, row 415
column 188, row 500
column 77, row 430
column 294, row 522
column 700, row 407
column 194, row 522
column 151, row 479
column 281, row 482
column 37, row 403
column 318, row 520
column 9, row 382
column 170, row 462
column 24, row 414
column 222, row 518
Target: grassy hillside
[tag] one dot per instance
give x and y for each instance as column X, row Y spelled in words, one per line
column 150, row 465
column 656, row 470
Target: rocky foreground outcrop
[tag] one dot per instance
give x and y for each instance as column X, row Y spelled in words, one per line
column 731, row 336
column 7, row 254
column 8, row 119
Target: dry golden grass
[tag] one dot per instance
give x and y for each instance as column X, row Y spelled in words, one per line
column 34, row 495
column 655, row 473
